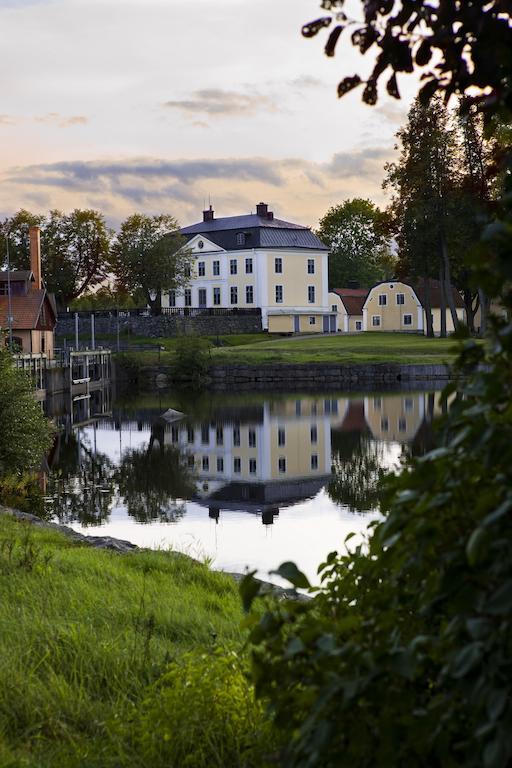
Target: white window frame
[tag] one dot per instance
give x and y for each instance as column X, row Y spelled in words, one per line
column 410, row 319
column 383, row 300
column 216, row 268
column 172, row 298
column 400, row 299
column 311, row 266
column 281, row 464
column 188, row 297
column 359, row 325
column 249, row 291
column 240, row 238
column 311, row 294
column 374, row 324
column 217, row 294
column 278, row 265
column 233, row 267
column 233, row 294
column 279, row 294
column 248, row 266
column 201, row 268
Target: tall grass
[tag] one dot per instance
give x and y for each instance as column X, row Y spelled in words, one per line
column 86, row 635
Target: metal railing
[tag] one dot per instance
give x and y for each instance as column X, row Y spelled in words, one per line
column 173, row 311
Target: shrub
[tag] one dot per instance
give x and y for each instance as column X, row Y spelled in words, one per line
column 191, row 360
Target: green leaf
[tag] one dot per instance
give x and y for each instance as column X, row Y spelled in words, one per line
column 496, row 703
column 466, row 660
column 249, row 589
column 495, row 755
column 477, row 546
column 291, row 573
column 501, row 600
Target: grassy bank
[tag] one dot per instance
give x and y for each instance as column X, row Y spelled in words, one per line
column 362, row 348
column 118, row 660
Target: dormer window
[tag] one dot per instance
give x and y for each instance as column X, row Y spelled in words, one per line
column 240, row 238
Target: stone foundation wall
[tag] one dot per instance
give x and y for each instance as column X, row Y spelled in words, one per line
column 156, row 326
column 287, row 376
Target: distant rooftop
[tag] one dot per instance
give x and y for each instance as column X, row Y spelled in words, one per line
column 254, row 230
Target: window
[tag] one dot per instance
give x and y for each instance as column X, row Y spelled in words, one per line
column 201, row 295
column 383, row 300
column 334, row 308
column 402, row 425
column 377, row 403
column 327, row 406
column 220, row 464
column 191, row 461
column 216, row 268
column 359, row 325
column 314, row 461
column 408, row 404
column 282, row 464
column 240, row 238
column 188, row 270
column 216, row 297
column 237, row 465
column 172, row 298
column 384, row 424
column 376, row 321
column 312, row 320
column 314, row 408
column 400, row 298
column 278, row 265
column 281, row 436
column 232, row 267
column 175, row 435
column 298, row 407
column 4, row 289
column 311, row 266
column 248, row 266
column 252, row 466
column 314, row 433
column 220, row 436
column 205, row 434
column 190, row 435
column 201, row 269
column 252, row 438
column 279, row 294
column 234, row 294
column 249, row 294
column 188, row 297
column 206, row 463
column 407, row 319
column 311, row 294
column 236, row 435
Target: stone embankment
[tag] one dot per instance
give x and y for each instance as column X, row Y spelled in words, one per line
column 369, row 376
column 161, row 326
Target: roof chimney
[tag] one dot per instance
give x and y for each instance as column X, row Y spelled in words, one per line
column 34, row 234
column 262, row 210
column 208, row 215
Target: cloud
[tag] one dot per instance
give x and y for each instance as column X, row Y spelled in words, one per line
column 7, row 120
column 298, row 190
column 62, row 121
column 217, row 102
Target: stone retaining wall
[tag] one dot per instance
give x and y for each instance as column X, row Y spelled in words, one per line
column 303, row 377
column 155, row 326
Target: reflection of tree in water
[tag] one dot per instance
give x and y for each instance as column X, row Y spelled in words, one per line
column 357, row 470
column 80, row 483
column 151, row 479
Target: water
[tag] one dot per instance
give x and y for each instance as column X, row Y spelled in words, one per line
column 243, row 482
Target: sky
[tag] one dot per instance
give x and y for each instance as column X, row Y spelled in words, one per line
column 161, row 106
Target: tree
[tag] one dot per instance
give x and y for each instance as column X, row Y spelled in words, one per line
column 402, row 657
column 149, row 255
column 25, row 434
column 354, row 231
column 458, row 46
column 424, row 181
column 74, row 249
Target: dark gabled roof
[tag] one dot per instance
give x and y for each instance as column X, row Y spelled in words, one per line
column 434, row 291
column 16, row 276
column 260, row 232
column 352, row 298
column 26, row 311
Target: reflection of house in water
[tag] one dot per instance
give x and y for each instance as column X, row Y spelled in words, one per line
column 396, row 417
column 282, row 457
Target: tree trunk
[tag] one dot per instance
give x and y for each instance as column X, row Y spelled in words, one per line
column 471, row 304
column 484, row 311
column 443, row 302
column 448, row 281
column 428, row 309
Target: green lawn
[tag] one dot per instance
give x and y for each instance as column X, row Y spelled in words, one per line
column 92, row 641
column 257, row 348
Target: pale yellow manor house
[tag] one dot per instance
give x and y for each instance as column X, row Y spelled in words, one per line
column 256, row 261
